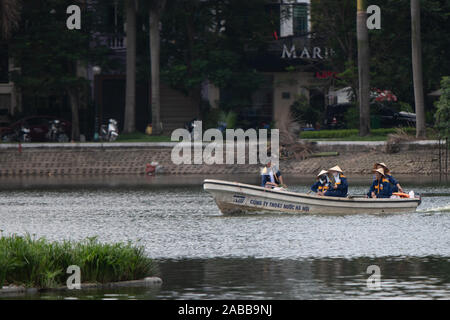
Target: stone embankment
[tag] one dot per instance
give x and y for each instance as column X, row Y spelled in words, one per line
column 420, row 157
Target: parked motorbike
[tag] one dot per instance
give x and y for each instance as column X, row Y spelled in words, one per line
column 56, row 132
column 24, row 134
column 20, row 135
column 190, row 126
column 109, row 132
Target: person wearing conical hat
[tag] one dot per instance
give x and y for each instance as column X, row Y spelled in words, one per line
column 339, row 184
column 396, row 187
column 381, row 188
column 322, row 184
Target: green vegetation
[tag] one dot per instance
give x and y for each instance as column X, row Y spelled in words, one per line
column 443, row 108
column 39, row 263
column 198, row 46
column 141, row 137
column 352, row 134
column 302, row 110
column 390, row 47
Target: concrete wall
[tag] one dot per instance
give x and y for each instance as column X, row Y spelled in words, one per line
column 131, row 158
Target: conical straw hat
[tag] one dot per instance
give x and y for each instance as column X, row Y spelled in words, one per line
column 382, row 164
column 386, row 169
column 322, row 172
column 380, row 171
column 336, row 168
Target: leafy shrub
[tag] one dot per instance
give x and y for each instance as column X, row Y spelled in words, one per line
column 351, row 117
column 443, row 108
column 230, row 118
column 304, row 112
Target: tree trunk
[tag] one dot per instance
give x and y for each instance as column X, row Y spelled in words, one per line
column 363, row 69
column 130, row 96
column 154, row 16
column 73, row 98
column 416, row 45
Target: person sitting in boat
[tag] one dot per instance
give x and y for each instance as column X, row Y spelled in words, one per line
column 322, row 184
column 396, row 187
column 271, row 176
column 338, row 183
column 381, row 187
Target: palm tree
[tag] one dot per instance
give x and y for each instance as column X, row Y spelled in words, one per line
column 130, row 95
column 416, row 45
column 155, row 10
column 363, row 69
column 9, row 17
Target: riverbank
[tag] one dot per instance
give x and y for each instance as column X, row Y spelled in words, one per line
column 96, row 159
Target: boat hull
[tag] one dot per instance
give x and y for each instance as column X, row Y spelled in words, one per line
column 233, row 197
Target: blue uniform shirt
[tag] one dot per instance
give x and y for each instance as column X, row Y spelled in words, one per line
column 393, row 182
column 319, row 186
column 382, row 188
column 341, row 190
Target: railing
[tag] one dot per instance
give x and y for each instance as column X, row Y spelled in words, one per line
column 114, row 41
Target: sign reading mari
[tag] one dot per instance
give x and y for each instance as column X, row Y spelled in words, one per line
column 307, row 53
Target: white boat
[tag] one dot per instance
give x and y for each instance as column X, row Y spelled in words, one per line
column 234, row 197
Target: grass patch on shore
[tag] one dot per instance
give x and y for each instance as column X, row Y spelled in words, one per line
column 141, row 137
column 353, row 134
column 39, row 263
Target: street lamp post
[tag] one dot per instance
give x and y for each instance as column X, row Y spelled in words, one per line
column 96, row 70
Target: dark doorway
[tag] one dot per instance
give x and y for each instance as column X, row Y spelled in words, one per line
column 112, row 101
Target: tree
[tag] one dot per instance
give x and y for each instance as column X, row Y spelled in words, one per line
column 333, row 26
column 50, row 57
column 216, row 41
column 9, row 17
column 390, row 47
column 130, row 95
column 363, row 69
column 442, row 115
column 155, row 10
column 416, row 45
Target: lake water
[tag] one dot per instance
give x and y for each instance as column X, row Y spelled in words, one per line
column 204, row 255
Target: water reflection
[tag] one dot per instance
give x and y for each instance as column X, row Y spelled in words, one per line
column 250, row 278
column 305, row 279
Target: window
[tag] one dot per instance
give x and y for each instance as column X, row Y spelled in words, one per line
column 285, row 95
column 114, row 18
column 4, row 77
column 5, row 103
column 300, row 19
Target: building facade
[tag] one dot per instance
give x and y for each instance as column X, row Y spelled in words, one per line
column 292, row 66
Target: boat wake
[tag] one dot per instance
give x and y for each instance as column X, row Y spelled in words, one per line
column 437, row 209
